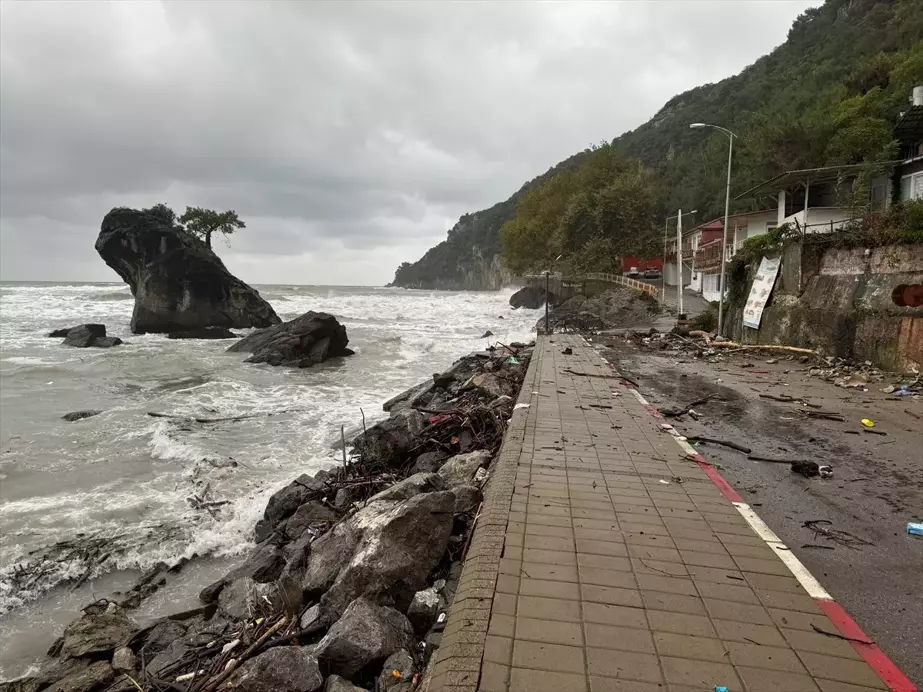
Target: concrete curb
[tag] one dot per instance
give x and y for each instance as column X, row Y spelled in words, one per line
column 457, row 664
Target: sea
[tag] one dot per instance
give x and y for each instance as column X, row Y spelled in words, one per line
column 144, row 489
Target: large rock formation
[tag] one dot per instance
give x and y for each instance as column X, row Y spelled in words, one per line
column 302, row 342
column 178, row 283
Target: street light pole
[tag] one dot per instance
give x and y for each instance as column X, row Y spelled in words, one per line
column 727, row 206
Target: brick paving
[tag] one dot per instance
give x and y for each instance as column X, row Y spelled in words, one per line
column 604, row 561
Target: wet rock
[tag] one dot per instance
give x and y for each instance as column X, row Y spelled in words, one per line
column 80, row 415
column 410, row 486
column 178, row 283
column 309, row 514
column 409, row 397
column 286, row 501
column 210, row 593
column 397, row 669
column 88, row 335
column 202, row 630
column 49, row 671
column 161, row 636
column 289, row 668
column 312, row 616
column 366, row 634
column 94, row 329
column 487, row 334
column 492, row 386
column 170, row 655
column 400, row 545
column 124, row 660
column 429, row 461
column 337, row 684
column 204, row 333
column 343, row 499
column 391, row 441
column 95, row 675
column 243, row 598
column 101, row 628
column 329, row 554
column 305, row 341
column 460, row 469
column 263, row 530
column 263, row 565
column 467, row 498
column 423, row 610
column 529, row 297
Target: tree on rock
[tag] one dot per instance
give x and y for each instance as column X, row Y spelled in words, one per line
column 203, row 222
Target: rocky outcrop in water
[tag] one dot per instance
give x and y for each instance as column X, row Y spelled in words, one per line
column 302, row 342
column 204, row 333
column 350, row 574
column 86, row 336
column 178, row 283
column 529, row 297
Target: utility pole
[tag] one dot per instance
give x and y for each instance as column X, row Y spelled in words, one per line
column 547, row 299
column 679, row 261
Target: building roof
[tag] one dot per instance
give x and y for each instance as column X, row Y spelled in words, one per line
column 815, row 175
column 718, row 224
column 910, row 127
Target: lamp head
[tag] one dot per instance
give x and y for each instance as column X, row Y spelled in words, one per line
column 694, row 125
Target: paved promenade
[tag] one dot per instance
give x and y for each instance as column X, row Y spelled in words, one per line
column 606, row 560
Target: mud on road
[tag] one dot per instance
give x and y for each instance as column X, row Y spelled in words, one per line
column 876, row 489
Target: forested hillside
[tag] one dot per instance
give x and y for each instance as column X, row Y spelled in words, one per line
column 830, row 94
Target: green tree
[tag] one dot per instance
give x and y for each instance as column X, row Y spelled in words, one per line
column 202, row 223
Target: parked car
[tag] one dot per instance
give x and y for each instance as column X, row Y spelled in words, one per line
column 633, row 273
column 651, row 273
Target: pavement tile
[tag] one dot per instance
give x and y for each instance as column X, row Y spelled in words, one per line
column 549, row 609
column 604, row 562
column 590, row 547
column 766, row 635
column 727, row 592
column 608, row 577
column 689, row 646
column 815, row 642
column 701, row 674
column 742, row 612
column 623, row 664
column 835, row 668
column 549, row 557
column 680, row 623
column 551, row 631
column 548, row 572
column 758, row 656
column 762, row 680
column 525, row 680
column 611, row 595
column 494, row 678
column 838, row 686
column 621, row 638
column 504, row 604
column 549, row 589
column 600, row 684
column 543, row 542
column 546, row 656
column 675, row 603
column 800, row 621
column 498, row 649
column 648, row 581
column 621, row 616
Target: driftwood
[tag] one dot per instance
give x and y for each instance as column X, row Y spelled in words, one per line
column 755, row 347
column 724, row 443
column 676, row 412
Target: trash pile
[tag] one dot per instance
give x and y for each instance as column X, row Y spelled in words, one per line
column 863, row 376
column 354, row 569
column 617, row 307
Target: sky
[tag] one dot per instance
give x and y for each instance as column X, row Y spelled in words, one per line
column 348, row 136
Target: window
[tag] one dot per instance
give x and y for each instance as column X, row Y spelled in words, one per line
column 912, row 186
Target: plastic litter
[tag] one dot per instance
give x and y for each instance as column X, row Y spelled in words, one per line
column 825, row 471
column 914, row 528
column 904, row 391
column 868, row 423
column 518, row 406
column 721, row 688
column 513, row 360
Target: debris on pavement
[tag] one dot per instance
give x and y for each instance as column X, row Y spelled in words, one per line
column 868, row 423
column 823, row 528
column 915, row 528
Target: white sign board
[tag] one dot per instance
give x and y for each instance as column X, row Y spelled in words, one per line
column 760, row 291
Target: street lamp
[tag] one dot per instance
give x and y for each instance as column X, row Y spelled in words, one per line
column 727, row 203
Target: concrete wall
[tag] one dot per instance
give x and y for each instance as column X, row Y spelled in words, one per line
column 839, row 302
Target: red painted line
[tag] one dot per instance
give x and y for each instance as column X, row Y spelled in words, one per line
column 865, row 647
column 716, row 478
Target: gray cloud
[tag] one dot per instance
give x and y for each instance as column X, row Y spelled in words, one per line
column 350, row 136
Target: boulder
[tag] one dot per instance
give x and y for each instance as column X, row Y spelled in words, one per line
column 337, row 684
column 487, row 334
column 400, row 545
column 393, row 440
column 170, row 655
column 47, row 672
column 312, row 616
column 423, row 610
column 101, row 628
column 429, row 461
column 204, row 333
column 467, row 498
column 263, row 565
column 177, row 281
column 410, row 486
column 305, row 341
column 289, row 668
column 88, row 335
column 365, row 635
column 80, row 415
column 329, row 555
column 94, row 676
column 491, row 386
column 243, row 598
column 460, row 469
column 161, row 635
column 286, row 501
column 411, row 397
column 201, row 629
column 312, row 513
column 529, row 297
column 124, row 660
column 397, row 669
column 94, row 329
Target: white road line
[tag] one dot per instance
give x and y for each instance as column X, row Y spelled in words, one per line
column 638, row 396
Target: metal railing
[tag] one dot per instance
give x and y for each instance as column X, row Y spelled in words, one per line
column 643, row 286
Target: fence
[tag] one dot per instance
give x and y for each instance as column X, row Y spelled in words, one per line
column 564, row 287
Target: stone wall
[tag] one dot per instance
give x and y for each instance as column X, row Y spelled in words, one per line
column 838, row 301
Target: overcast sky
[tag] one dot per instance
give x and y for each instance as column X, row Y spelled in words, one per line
column 348, row 136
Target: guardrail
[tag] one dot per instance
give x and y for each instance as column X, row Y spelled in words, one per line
column 558, row 280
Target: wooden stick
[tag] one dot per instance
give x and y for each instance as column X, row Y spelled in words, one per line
column 768, row 347
column 226, row 673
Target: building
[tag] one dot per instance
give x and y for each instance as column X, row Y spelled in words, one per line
column 907, row 181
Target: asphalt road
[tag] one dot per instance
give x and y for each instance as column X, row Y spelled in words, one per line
column 876, row 489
